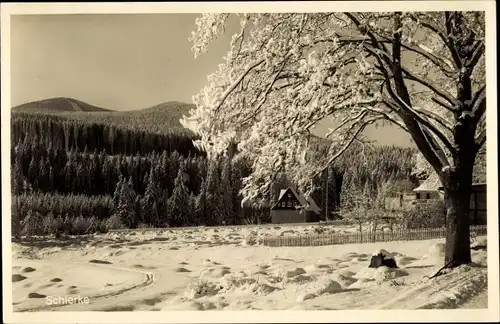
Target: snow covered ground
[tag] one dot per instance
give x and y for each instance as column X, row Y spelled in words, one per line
column 227, row 269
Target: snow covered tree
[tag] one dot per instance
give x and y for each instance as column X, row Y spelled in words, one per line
column 178, row 201
column 126, row 209
column 118, row 190
column 224, row 194
column 17, row 187
column 201, row 205
column 421, row 71
column 151, row 199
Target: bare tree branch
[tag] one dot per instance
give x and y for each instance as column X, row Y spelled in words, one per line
column 435, row 29
column 411, row 119
column 440, row 63
column 388, row 117
column 478, row 52
column 481, row 139
column 435, row 117
column 443, row 104
column 479, row 103
column 449, row 40
column 429, row 84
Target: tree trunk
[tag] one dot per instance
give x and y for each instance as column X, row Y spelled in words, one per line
column 457, row 191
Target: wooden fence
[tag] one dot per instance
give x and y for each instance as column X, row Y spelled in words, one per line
column 335, row 239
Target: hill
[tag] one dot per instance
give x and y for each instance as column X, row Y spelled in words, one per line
column 57, row 105
column 161, row 118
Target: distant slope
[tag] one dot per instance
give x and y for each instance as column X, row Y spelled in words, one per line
column 57, row 105
column 161, row 118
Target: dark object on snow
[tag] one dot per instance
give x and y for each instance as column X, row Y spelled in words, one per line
column 380, row 260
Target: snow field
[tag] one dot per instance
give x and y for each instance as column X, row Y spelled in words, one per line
column 227, row 269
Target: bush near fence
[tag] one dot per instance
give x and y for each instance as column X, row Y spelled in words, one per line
column 335, row 239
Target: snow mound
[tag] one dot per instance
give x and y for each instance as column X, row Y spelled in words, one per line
column 437, row 249
column 403, row 260
column 386, row 254
column 344, row 278
column 295, row 272
column 324, row 285
column 380, row 274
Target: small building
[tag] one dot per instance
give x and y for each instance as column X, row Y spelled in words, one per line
column 293, row 207
column 477, row 205
column 429, row 189
column 432, row 189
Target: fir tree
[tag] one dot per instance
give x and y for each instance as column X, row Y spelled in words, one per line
column 177, row 202
column 150, row 201
column 126, row 204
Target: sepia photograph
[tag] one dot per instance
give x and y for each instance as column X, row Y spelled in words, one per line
column 216, row 159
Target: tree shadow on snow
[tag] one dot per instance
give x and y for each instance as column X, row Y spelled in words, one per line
column 48, row 242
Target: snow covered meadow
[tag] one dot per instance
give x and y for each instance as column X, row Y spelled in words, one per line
column 226, row 268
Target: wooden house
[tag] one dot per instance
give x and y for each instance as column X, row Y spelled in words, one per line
column 293, row 207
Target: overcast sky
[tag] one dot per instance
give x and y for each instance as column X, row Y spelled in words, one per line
column 120, row 62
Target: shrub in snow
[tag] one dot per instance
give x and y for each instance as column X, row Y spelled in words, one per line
column 114, row 222
column 201, row 288
column 81, row 225
column 32, row 224
column 247, row 284
column 430, row 215
column 52, row 225
column 382, row 258
column 251, row 239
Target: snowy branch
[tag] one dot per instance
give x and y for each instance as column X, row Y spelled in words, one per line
column 235, row 84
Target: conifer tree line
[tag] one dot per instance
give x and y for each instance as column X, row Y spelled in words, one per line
column 72, row 189
column 69, row 134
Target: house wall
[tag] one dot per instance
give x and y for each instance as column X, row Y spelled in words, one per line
column 424, row 195
column 292, row 215
column 477, row 207
column 312, row 217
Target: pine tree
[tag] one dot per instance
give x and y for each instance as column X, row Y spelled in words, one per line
column 17, row 187
column 201, row 205
column 126, row 204
column 17, row 177
column 118, row 190
column 223, row 194
column 43, row 175
column 33, row 173
column 151, row 199
column 210, row 189
column 177, row 202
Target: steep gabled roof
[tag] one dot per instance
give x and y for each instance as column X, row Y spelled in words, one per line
column 432, row 183
column 309, row 204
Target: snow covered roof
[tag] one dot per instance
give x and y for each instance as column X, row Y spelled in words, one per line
column 309, row 203
column 432, row 183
